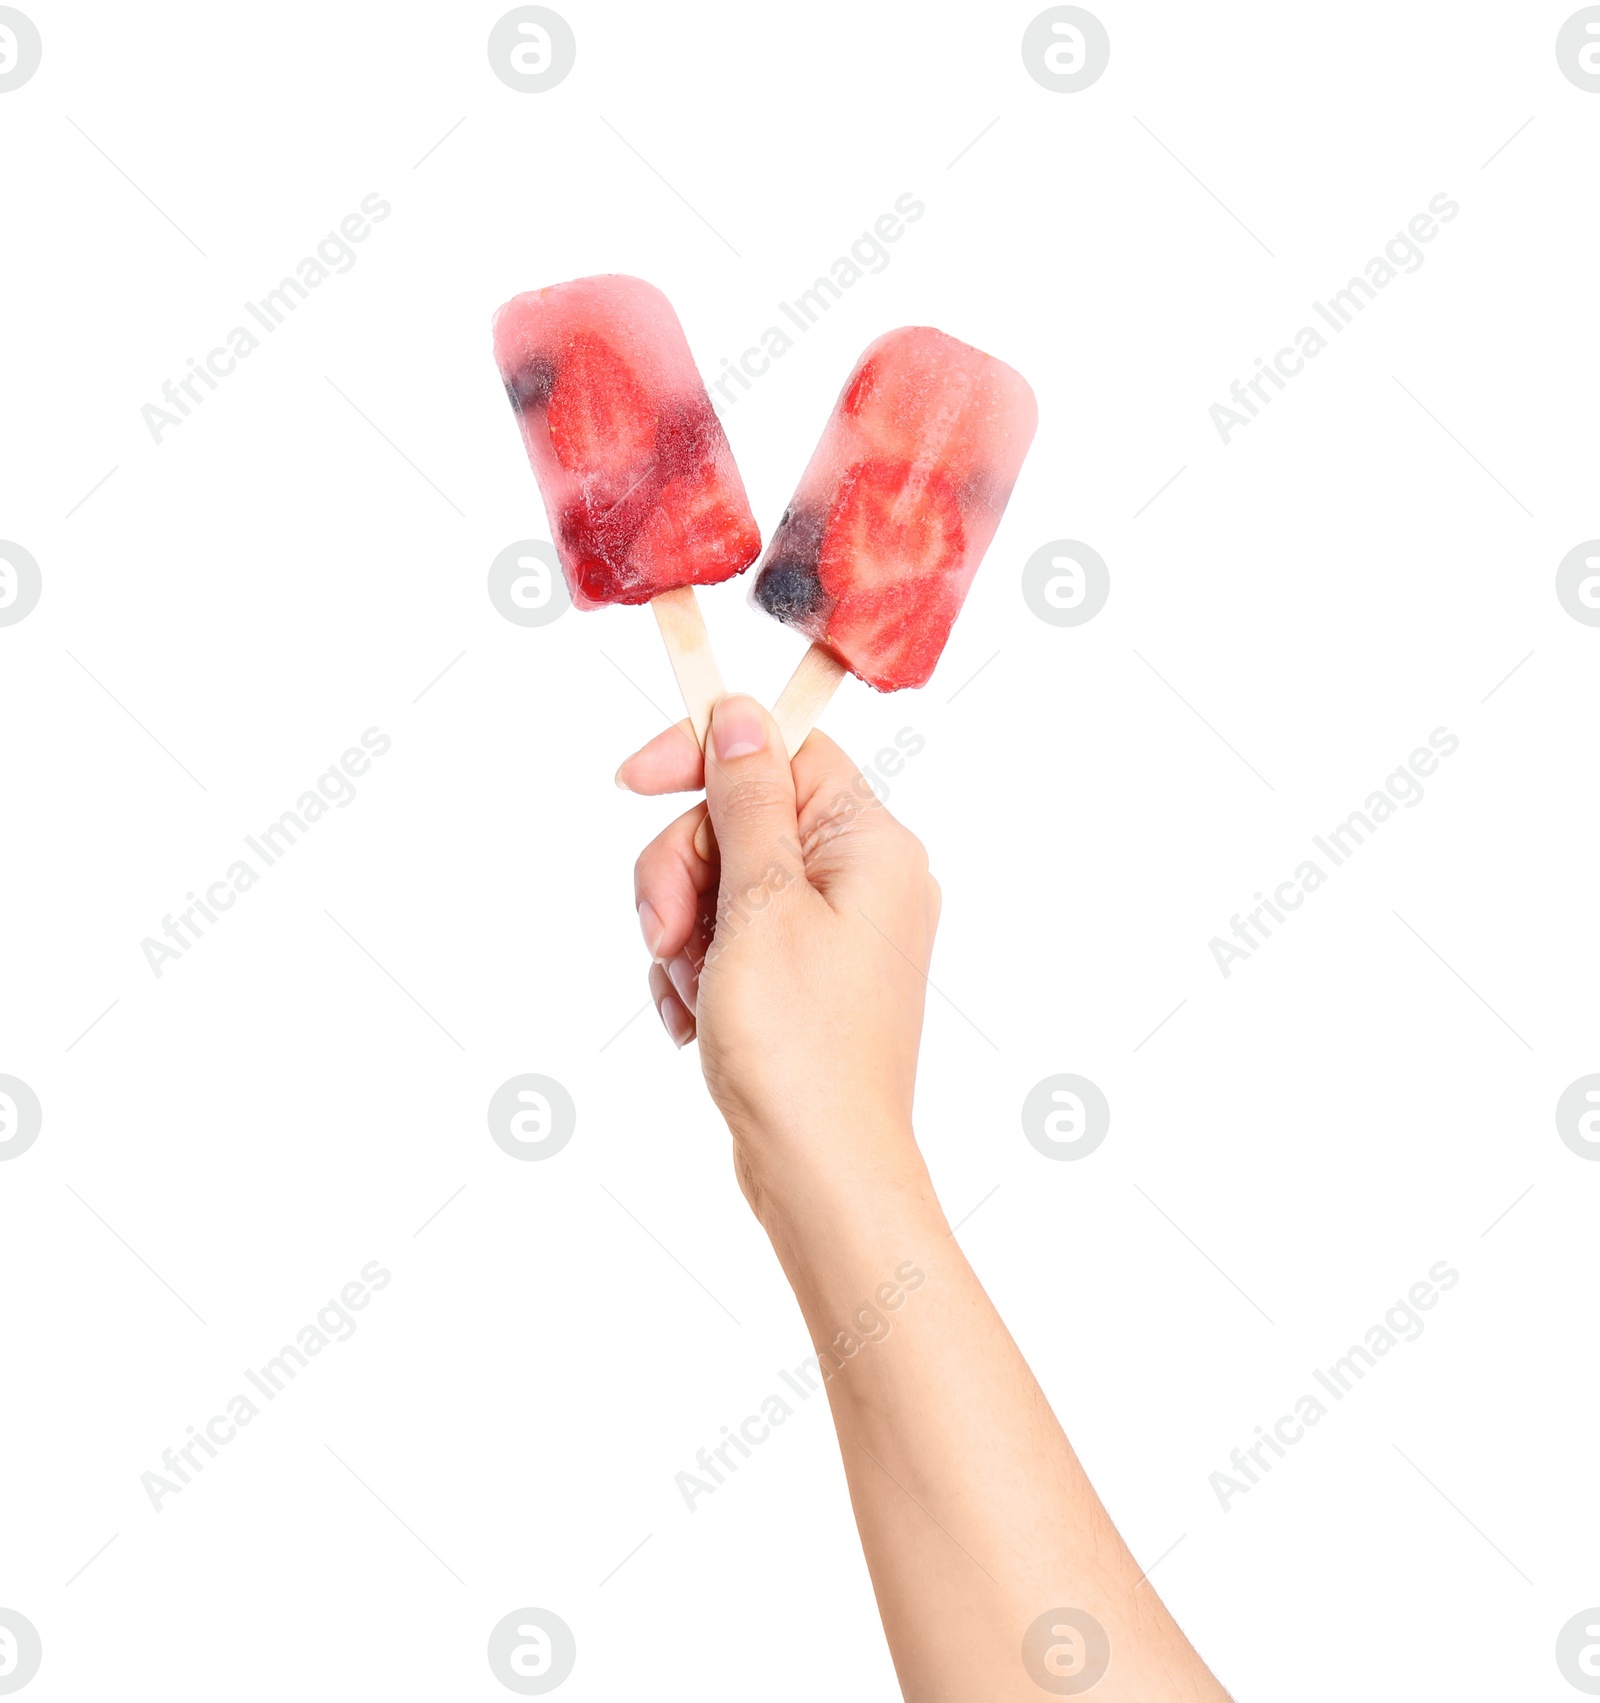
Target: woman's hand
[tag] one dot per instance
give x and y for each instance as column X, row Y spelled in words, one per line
column 795, row 944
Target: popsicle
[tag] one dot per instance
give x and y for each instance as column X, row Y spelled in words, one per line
column 643, row 496
column 878, row 547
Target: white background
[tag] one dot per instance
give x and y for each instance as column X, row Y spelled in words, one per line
column 275, row 577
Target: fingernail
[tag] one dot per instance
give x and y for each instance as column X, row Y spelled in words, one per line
column 652, row 928
column 739, row 728
column 622, row 785
column 704, row 842
column 681, row 974
column 676, row 1021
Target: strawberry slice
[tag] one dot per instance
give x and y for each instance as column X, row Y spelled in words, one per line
column 863, row 394
column 915, row 393
column 698, row 533
column 688, row 437
column 892, row 522
column 599, row 417
column 596, row 534
column 893, row 636
column 876, row 400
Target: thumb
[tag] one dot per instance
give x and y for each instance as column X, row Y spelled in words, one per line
column 750, row 794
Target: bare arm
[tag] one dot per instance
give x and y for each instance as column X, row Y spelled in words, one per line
column 798, row 952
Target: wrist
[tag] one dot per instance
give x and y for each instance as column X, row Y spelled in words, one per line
column 856, row 1192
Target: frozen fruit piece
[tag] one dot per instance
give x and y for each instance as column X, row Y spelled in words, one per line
column 798, row 537
column 595, row 537
column 892, row 520
column 910, row 400
column 869, row 401
column 861, row 392
column 893, row 636
column 788, row 586
column 688, row 523
column 637, row 476
column 790, row 590
column 598, row 415
column 687, row 437
column 530, row 386
column 910, row 480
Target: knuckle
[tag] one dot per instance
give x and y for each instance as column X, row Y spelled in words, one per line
column 911, row 848
column 656, row 867
column 647, row 867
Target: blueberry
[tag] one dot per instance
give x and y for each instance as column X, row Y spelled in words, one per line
column 788, row 586
column 799, row 537
column 531, row 385
column 981, row 491
column 790, row 591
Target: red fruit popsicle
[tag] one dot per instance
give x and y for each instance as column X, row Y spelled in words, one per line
column 875, row 554
column 643, row 496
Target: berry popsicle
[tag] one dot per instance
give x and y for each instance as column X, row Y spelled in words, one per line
column 877, row 549
column 644, row 499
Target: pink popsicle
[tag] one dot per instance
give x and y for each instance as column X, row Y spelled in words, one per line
column 876, row 552
column 640, row 486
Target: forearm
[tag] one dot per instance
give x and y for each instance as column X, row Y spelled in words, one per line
column 975, row 1515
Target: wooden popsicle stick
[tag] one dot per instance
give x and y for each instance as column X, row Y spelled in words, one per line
column 683, row 631
column 806, row 696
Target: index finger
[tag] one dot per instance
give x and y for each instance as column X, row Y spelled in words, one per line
column 671, row 762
